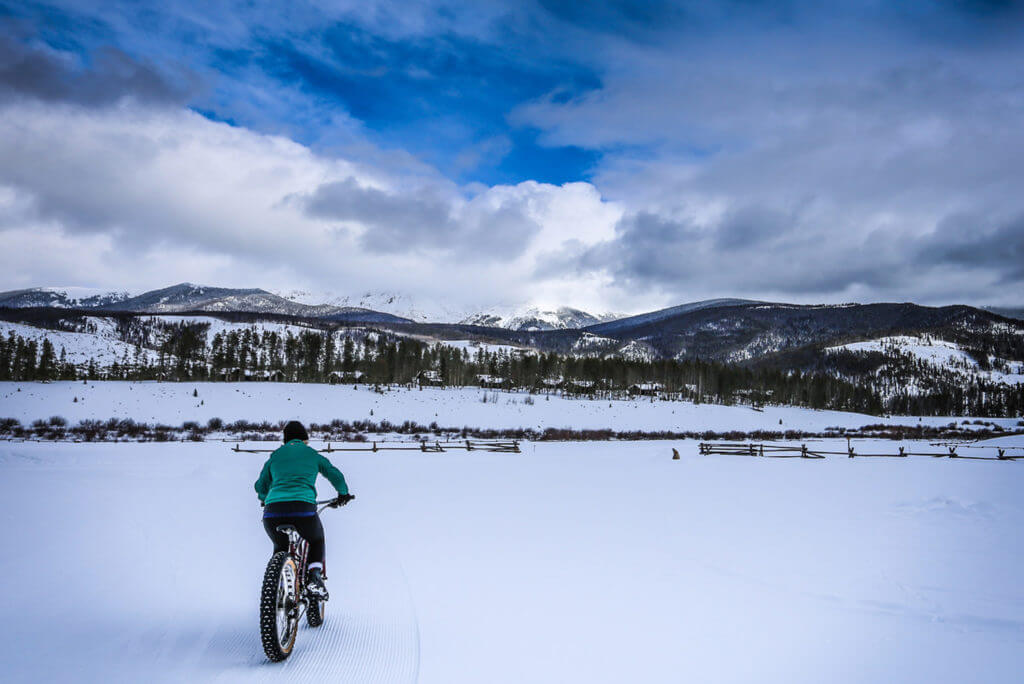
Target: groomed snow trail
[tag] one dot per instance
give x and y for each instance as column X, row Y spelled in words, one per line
column 145, row 564
column 370, row 634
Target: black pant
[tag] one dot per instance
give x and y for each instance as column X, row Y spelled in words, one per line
column 296, row 514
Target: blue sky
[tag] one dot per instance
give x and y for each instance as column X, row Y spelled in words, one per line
column 442, row 96
column 623, row 154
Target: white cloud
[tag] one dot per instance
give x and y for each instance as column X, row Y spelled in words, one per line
column 806, row 166
column 138, row 196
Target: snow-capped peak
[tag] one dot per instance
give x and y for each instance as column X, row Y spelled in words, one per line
column 395, row 303
column 536, row 318
column 62, row 297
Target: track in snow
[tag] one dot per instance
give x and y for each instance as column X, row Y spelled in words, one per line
column 146, row 565
column 370, row 635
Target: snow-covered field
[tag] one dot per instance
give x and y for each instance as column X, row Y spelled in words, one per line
column 174, row 403
column 603, row 562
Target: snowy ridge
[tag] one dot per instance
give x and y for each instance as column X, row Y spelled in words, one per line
column 614, row 325
column 61, row 297
column 394, row 303
column 941, row 354
column 189, row 297
column 536, row 318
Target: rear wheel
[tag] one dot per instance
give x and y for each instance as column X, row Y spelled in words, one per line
column 279, row 606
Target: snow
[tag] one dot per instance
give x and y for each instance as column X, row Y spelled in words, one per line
column 172, row 403
column 76, row 295
column 395, row 303
column 636, row 351
column 104, row 343
column 223, row 327
column 80, row 347
column 476, row 347
column 604, row 562
column 588, row 341
column 532, row 318
column 939, row 353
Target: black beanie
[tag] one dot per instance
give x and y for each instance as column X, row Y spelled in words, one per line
column 294, row 430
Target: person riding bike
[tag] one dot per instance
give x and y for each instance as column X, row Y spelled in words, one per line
column 287, row 491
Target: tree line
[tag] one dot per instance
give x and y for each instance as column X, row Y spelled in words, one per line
column 186, row 351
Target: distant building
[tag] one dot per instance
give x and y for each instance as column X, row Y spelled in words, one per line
column 231, row 375
column 337, row 377
column 493, row 381
column 581, row 386
column 429, row 378
column 646, row 389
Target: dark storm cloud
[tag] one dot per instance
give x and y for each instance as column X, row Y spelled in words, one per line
column 425, row 219
column 750, row 249
column 107, row 76
column 977, row 242
column 398, row 221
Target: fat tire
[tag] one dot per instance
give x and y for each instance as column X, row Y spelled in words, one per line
column 268, row 609
column 315, row 612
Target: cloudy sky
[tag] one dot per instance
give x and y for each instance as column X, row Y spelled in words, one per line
column 608, row 155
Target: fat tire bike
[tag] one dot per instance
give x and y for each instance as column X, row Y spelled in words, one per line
column 284, row 598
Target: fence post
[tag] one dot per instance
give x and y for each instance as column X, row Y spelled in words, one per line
column 803, row 451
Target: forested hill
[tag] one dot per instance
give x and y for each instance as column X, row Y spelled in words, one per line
column 887, row 378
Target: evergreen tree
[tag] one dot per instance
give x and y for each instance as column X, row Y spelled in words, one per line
column 47, row 369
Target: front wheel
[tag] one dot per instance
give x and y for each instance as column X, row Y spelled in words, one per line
column 279, row 606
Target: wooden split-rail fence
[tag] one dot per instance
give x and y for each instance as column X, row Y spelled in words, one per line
column 803, row 451
column 500, row 447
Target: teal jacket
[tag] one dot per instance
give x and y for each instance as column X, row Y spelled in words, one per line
column 290, row 474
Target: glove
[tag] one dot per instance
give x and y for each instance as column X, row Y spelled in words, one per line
column 342, row 500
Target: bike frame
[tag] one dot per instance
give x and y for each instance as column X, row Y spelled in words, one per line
column 298, row 548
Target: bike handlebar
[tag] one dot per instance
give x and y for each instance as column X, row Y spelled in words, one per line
column 339, row 500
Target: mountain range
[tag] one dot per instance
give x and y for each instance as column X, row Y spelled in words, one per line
column 728, row 330
column 186, row 297
column 369, row 307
